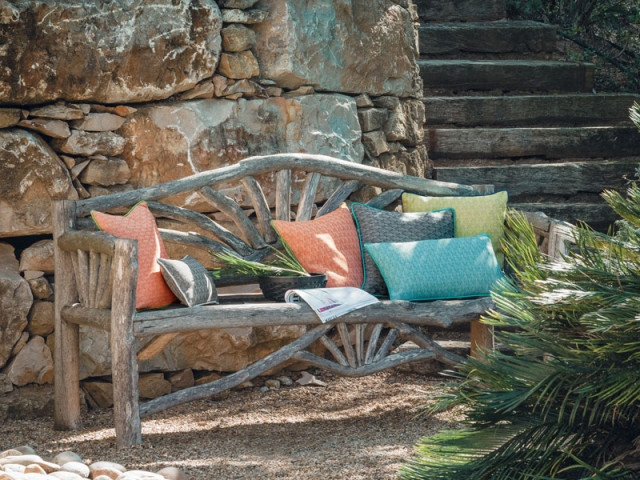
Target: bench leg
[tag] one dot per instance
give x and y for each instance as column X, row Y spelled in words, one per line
column 67, row 349
column 481, row 338
column 124, row 365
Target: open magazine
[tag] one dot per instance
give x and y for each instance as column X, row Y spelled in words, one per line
column 330, row 303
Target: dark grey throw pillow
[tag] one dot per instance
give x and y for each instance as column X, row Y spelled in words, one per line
column 189, row 280
column 382, row 226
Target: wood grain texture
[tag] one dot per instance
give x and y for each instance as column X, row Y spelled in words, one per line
column 67, row 350
column 124, row 365
column 323, row 164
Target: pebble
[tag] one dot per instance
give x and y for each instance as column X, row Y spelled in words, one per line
column 22, row 463
column 272, row 384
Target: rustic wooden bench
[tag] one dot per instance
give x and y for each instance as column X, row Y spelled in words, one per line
column 96, row 275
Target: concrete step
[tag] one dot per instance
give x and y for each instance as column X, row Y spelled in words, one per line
column 548, row 142
column 505, row 75
column 531, row 110
column 494, row 38
column 460, row 10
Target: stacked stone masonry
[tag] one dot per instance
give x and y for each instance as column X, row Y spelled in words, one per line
column 108, row 102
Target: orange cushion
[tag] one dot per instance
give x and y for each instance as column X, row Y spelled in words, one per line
column 328, row 244
column 139, row 224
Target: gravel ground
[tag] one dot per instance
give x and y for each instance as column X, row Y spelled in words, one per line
column 350, row 429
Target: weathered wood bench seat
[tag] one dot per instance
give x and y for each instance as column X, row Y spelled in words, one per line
column 96, row 275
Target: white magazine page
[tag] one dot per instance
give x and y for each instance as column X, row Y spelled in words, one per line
column 330, row 303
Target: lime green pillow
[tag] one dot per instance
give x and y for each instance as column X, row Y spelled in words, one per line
column 474, row 215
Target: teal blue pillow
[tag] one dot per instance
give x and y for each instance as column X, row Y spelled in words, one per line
column 437, row 269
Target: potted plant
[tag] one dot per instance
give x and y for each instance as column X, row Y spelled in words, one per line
column 276, row 276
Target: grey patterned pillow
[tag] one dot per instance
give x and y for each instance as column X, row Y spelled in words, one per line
column 378, row 226
column 189, row 280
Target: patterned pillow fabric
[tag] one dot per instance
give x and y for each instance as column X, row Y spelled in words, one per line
column 328, row 244
column 139, row 224
column 189, row 280
column 474, row 215
column 437, row 269
column 376, row 226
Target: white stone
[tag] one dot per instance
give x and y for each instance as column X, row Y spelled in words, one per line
column 15, row 302
column 34, row 364
column 33, row 175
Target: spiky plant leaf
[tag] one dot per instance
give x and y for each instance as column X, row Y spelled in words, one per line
column 565, row 402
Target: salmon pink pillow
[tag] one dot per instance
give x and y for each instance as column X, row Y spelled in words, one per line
column 328, row 244
column 139, row 224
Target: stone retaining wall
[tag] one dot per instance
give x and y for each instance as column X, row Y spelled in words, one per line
column 99, row 98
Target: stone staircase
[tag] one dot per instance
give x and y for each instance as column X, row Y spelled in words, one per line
column 503, row 108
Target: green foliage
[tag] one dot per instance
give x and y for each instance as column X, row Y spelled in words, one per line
column 565, row 401
column 606, row 32
column 283, row 264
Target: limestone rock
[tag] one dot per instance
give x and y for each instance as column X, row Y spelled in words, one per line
column 153, row 385
column 46, row 126
column 340, row 46
column 38, row 256
column 372, row 118
column 98, row 394
column 234, row 15
column 204, row 89
column 59, row 111
column 64, row 475
column 15, row 302
column 120, row 110
column 91, row 143
column 375, row 143
column 241, row 4
column 236, row 38
column 99, row 122
column 66, row 457
column 105, row 172
column 405, row 123
column 106, row 468
column 40, row 287
column 247, row 88
column 181, row 380
column 413, row 161
column 9, row 117
column 5, row 384
column 174, row 141
column 239, row 65
column 172, row 473
column 76, row 467
column 363, row 101
column 34, row 364
column 32, row 175
column 107, row 52
column 22, row 341
column 48, row 467
column 41, row 318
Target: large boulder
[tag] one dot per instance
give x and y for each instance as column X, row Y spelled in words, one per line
column 167, row 142
column 15, row 302
column 106, row 52
column 32, row 175
column 350, row 46
column 225, row 350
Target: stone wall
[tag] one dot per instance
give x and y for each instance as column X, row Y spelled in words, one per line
column 99, row 97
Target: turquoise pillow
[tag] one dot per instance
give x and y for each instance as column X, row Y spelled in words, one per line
column 437, row 269
column 375, row 226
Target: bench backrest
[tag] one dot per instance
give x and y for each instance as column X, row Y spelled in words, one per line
column 247, row 196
